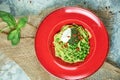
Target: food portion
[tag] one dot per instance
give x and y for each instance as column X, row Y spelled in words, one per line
column 72, row 43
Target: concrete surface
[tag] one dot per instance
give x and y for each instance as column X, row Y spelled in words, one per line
column 9, row 70
column 107, row 10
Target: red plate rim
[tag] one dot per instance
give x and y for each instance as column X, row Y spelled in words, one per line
column 99, row 43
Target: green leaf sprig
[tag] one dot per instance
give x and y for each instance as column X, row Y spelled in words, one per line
column 15, row 27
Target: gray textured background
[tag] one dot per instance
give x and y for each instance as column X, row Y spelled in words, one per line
column 107, row 10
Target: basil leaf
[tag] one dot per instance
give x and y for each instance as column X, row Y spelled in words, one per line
column 2, row 13
column 8, row 18
column 12, row 34
column 22, row 22
column 16, row 39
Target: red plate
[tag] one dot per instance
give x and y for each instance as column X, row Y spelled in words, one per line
column 52, row 24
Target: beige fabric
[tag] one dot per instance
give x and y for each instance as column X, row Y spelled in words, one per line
column 24, row 53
